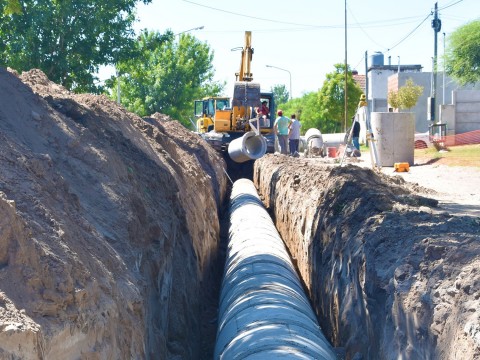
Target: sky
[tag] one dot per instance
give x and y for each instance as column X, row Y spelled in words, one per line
column 306, row 38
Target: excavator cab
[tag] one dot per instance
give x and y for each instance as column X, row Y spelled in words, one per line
column 211, row 113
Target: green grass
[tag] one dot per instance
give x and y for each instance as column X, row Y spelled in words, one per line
column 461, row 155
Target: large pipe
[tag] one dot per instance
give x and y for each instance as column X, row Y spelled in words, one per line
column 263, row 312
column 248, row 147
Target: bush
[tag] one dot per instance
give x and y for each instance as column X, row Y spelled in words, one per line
column 406, row 97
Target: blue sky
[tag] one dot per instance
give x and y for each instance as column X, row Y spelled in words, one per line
column 307, row 37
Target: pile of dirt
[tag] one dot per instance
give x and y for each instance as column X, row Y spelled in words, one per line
column 391, row 274
column 109, row 228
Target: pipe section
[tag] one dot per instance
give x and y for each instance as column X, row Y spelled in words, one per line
column 248, row 147
column 263, row 312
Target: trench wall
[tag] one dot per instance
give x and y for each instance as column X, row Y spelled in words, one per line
column 368, row 251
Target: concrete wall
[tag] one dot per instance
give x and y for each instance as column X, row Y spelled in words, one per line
column 467, row 110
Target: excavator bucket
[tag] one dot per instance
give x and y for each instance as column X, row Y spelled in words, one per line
column 246, row 93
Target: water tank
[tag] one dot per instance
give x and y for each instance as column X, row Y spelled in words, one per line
column 376, row 59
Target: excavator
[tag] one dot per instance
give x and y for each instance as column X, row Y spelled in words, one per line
column 239, row 126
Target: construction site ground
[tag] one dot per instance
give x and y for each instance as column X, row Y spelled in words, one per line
column 111, row 228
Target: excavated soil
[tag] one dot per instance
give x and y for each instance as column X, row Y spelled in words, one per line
column 391, row 271
column 111, row 228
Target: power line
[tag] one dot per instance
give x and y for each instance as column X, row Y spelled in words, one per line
column 361, row 28
column 249, row 16
column 378, row 23
column 410, row 33
column 447, row 6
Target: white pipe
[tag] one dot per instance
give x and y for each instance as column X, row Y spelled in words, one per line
column 264, row 312
column 248, row 147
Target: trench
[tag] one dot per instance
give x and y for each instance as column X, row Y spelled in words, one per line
column 303, row 336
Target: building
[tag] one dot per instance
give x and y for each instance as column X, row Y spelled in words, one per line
column 383, row 78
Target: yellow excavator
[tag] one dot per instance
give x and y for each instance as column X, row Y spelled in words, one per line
column 240, row 126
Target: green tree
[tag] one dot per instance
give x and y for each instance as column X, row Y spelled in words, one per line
column 331, row 100
column 406, row 97
column 167, row 76
column 280, row 94
column 305, row 108
column 66, row 39
column 462, row 58
column 12, row 7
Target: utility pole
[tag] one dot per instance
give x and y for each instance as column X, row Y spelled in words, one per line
column 443, row 85
column 346, row 71
column 436, row 25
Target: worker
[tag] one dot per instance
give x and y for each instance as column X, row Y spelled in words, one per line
column 264, row 109
column 280, row 127
column 363, row 101
column 356, row 133
column 294, row 135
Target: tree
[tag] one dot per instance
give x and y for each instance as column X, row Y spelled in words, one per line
column 462, row 59
column 167, row 76
column 280, row 94
column 68, row 40
column 406, row 97
column 331, row 99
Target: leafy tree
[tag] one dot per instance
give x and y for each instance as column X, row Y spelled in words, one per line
column 462, row 59
column 305, row 108
column 406, row 97
column 167, row 76
column 393, row 99
column 280, row 94
column 66, row 39
column 331, row 100
column 12, row 7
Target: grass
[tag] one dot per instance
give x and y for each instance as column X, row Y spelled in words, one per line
column 462, row 155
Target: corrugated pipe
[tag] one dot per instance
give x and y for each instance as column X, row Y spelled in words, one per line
column 264, row 312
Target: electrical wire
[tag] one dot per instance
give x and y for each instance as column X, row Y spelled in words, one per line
column 410, row 33
column 309, row 27
column 447, row 6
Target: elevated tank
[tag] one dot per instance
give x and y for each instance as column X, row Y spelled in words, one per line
column 377, row 59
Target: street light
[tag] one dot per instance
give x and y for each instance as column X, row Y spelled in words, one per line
column 196, row 28
column 289, row 73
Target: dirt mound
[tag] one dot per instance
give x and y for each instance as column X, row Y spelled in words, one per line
column 390, row 274
column 104, row 237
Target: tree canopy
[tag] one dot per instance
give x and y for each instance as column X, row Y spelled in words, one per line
column 406, row 97
column 462, row 58
column 331, row 100
column 280, row 94
column 68, row 40
column 166, row 76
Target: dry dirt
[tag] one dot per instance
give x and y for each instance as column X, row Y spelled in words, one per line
column 392, row 266
column 110, row 228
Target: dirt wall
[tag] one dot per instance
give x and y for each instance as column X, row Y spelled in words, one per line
column 108, row 227
column 389, row 274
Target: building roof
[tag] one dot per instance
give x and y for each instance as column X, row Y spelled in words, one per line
column 361, row 80
column 403, row 68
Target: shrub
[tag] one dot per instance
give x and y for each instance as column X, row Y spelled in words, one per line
column 406, row 97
